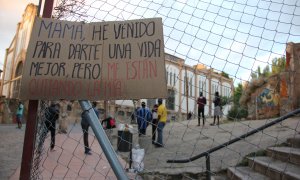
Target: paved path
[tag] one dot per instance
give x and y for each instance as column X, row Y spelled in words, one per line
column 182, row 140
column 11, row 146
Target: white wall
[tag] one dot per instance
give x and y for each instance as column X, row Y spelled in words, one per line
column 191, row 92
column 172, row 69
column 124, row 102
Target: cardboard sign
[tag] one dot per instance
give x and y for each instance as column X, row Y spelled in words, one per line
column 95, row 61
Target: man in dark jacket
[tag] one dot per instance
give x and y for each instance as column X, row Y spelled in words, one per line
column 85, row 128
column 201, row 101
column 51, row 115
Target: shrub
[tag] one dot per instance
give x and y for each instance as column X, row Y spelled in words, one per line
column 237, row 112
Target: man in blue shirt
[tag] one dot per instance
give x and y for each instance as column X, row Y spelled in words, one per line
column 144, row 116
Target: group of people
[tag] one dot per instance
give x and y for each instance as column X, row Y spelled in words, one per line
column 201, row 101
column 60, row 111
column 157, row 118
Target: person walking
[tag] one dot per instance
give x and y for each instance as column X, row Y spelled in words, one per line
column 19, row 114
column 51, row 115
column 217, row 110
column 144, row 116
column 154, row 122
column 85, row 128
column 201, row 101
column 162, row 119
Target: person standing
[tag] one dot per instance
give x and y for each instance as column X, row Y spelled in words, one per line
column 154, row 122
column 201, row 101
column 63, row 115
column 85, row 128
column 51, row 115
column 144, row 116
column 217, row 110
column 19, row 114
column 162, row 119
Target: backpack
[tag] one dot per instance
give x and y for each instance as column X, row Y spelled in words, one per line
column 108, row 123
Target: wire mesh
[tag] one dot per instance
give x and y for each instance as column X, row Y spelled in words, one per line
column 230, row 47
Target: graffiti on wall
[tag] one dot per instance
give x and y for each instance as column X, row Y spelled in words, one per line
column 268, row 97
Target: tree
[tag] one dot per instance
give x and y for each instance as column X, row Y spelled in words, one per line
column 256, row 74
column 266, row 71
column 238, row 91
column 258, row 71
column 253, row 75
column 237, row 111
column 225, row 100
column 278, row 65
column 224, row 74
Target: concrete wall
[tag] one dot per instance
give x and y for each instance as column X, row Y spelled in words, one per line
column 265, row 101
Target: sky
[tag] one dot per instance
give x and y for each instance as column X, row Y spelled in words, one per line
column 10, row 14
column 231, row 36
column 234, row 36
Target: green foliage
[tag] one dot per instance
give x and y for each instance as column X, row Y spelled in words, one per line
column 253, row 75
column 238, row 91
column 258, row 71
column 278, row 65
column 225, row 100
column 237, row 111
column 224, row 74
column 266, row 71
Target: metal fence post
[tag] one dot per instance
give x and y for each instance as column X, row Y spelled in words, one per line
column 208, row 172
column 29, row 141
column 103, row 140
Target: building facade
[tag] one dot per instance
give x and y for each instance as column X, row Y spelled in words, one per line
column 16, row 53
column 184, row 85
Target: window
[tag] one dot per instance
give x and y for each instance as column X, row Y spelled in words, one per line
column 191, row 87
column 151, row 102
column 202, row 85
column 170, row 103
column 174, row 80
column 167, row 76
column 19, row 69
column 17, row 83
column 171, row 78
column 184, row 85
column 16, row 88
column 201, row 89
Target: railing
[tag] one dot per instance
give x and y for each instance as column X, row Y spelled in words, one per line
column 207, row 153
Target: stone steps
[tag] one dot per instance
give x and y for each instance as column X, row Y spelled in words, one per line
column 244, row 173
column 286, row 154
column 294, row 141
column 275, row 169
column 281, row 163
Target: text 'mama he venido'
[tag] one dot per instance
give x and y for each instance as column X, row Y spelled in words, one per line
column 69, row 52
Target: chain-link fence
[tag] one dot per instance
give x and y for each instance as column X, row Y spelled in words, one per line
column 236, row 48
